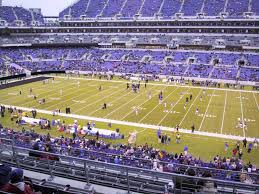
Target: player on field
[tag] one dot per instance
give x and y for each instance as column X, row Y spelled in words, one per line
column 197, row 111
column 149, row 95
column 136, row 111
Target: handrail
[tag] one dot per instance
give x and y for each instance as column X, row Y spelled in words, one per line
column 135, row 169
column 150, row 161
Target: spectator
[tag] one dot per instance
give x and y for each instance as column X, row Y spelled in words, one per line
column 244, row 143
column 244, row 178
column 250, row 146
column 207, row 186
column 16, row 184
column 5, row 172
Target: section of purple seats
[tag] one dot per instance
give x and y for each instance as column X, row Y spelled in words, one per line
column 192, row 7
column 112, row 8
column 213, row 7
column 237, row 7
column 170, row 8
column 150, row 7
column 131, row 8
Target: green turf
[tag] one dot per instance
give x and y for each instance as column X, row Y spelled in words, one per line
column 86, row 99
column 199, row 146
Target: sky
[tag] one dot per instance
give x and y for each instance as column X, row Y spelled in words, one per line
column 48, row 7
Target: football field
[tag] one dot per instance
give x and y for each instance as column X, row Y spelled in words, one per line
column 221, row 111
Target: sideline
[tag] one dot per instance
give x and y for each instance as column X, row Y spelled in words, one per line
column 132, row 124
column 172, row 84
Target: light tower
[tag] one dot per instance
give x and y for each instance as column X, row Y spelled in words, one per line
column 1, row 3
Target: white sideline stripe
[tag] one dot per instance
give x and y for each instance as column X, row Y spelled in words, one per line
column 157, row 105
column 223, row 118
column 110, row 102
column 132, row 124
column 242, row 113
column 256, row 101
column 124, row 104
column 157, row 84
column 97, row 100
column 180, row 98
column 190, row 107
column 206, row 110
column 139, row 106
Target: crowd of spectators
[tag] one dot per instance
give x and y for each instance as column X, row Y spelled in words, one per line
column 142, row 156
column 228, row 66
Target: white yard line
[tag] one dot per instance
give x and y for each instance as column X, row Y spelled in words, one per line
column 256, row 101
column 124, row 104
column 204, row 116
column 172, row 84
column 180, row 98
column 32, row 92
column 138, row 106
column 97, row 101
column 110, row 102
column 242, row 114
column 142, row 131
column 190, row 108
column 75, row 96
column 132, row 124
column 223, row 118
column 157, row 105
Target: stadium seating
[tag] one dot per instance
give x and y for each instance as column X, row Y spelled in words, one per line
column 128, row 9
column 11, row 14
column 140, row 157
column 189, row 64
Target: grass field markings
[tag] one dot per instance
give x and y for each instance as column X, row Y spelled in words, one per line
column 171, row 85
column 141, row 131
column 190, row 107
column 256, row 101
column 204, row 116
column 180, row 98
column 76, row 96
column 26, row 87
column 138, row 106
column 158, row 105
column 110, row 102
column 116, row 91
column 224, row 111
column 134, row 124
column 46, row 91
column 69, row 94
column 75, row 89
column 23, row 93
column 125, row 104
column 242, row 114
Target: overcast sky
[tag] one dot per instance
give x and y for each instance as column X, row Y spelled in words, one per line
column 48, row 7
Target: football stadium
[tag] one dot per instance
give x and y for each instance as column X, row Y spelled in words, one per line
column 130, row 96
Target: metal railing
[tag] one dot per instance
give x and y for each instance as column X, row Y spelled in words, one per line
column 118, row 176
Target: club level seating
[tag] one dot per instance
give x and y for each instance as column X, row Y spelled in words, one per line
column 141, row 39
